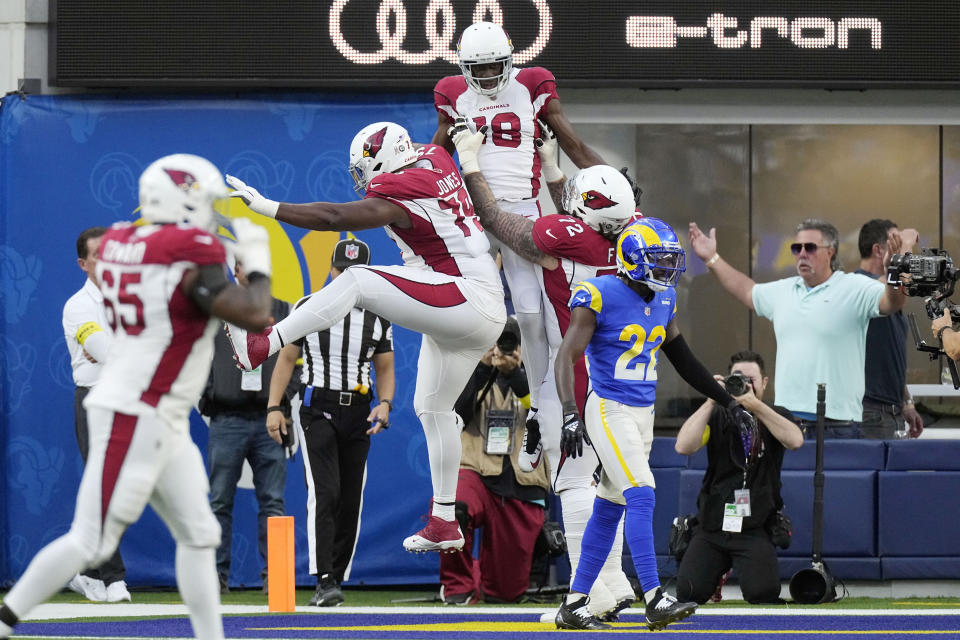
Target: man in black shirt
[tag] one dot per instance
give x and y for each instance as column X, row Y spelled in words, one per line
column 337, row 421
column 235, row 401
column 888, row 410
column 740, row 492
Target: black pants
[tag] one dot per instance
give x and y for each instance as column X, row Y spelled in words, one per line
column 112, row 570
column 336, row 442
column 713, row 553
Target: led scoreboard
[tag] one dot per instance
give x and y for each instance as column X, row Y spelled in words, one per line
column 409, row 44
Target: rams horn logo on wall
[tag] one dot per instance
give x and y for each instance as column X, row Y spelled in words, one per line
column 594, row 200
column 182, row 179
column 373, row 144
column 352, row 251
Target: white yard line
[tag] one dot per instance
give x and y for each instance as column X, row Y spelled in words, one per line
column 59, row 611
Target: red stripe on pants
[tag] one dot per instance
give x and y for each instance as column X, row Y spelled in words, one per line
column 510, row 531
column 447, row 294
column 121, row 434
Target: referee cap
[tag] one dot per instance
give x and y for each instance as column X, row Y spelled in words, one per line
column 350, row 252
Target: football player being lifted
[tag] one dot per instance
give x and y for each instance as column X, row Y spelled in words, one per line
column 509, row 101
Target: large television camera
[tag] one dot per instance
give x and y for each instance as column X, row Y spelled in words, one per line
column 932, row 275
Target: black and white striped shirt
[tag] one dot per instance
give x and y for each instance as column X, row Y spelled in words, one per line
column 339, row 358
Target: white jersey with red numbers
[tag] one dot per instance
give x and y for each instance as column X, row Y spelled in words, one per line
column 163, row 342
column 508, row 158
column 446, row 236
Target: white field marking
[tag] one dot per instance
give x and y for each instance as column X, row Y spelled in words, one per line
column 55, row 611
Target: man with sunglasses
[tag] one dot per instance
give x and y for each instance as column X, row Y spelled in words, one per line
column 820, row 318
column 743, row 475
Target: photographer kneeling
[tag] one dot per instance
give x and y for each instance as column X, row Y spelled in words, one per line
column 740, row 497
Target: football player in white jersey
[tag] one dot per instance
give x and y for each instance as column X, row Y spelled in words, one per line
column 510, row 102
column 448, row 289
column 162, row 284
column 565, row 248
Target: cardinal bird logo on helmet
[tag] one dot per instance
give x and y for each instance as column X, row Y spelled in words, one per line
column 595, row 200
column 182, row 179
column 373, row 144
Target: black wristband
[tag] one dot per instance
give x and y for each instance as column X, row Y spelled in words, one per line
column 275, row 408
column 388, row 403
column 940, row 333
column 256, row 275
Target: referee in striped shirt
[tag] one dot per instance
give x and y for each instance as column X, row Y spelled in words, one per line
column 337, row 421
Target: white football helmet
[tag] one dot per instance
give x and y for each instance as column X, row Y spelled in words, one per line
column 485, row 43
column 602, row 197
column 381, row 147
column 181, row 188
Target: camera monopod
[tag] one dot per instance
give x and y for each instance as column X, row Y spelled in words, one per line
column 815, row 585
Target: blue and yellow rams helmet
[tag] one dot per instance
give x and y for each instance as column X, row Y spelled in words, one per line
column 648, row 251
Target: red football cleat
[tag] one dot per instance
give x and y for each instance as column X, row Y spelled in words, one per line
column 438, row 535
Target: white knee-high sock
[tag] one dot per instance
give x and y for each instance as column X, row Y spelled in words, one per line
column 47, row 573
column 200, row 589
column 536, row 352
column 442, row 430
column 577, row 505
column 321, row 311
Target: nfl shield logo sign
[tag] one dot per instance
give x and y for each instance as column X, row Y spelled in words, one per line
column 352, row 251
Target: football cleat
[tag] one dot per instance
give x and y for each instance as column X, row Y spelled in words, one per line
column 328, row 593
column 664, row 609
column 249, row 349
column 531, row 451
column 613, row 615
column 439, row 535
column 576, row 615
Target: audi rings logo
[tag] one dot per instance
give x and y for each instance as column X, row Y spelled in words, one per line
column 442, row 40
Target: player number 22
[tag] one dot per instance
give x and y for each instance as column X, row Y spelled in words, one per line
column 638, row 339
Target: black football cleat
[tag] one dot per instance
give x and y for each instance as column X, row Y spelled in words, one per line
column 664, row 609
column 576, row 615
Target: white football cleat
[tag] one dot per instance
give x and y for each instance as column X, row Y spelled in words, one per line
column 249, row 349
column 439, row 535
column 531, row 451
column 92, row 590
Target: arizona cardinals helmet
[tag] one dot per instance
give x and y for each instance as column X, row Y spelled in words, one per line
column 648, row 251
column 182, row 188
column 485, row 43
column 602, row 197
column 381, row 147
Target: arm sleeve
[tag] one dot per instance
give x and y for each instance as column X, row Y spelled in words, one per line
column 467, row 401
column 211, row 280
column 694, row 373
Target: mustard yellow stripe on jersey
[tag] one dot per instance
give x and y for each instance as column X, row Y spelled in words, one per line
column 86, row 330
column 613, row 443
column 596, row 300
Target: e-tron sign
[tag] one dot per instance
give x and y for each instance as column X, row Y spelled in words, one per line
column 409, row 44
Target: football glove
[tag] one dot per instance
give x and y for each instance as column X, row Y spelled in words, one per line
column 252, row 198
column 253, row 246
column 547, row 150
column 572, row 435
column 468, row 144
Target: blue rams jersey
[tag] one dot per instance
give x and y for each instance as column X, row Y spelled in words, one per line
column 622, row 355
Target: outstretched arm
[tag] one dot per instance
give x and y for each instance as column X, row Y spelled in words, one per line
column 576, row 149
column 737, row 283
column 368, row 213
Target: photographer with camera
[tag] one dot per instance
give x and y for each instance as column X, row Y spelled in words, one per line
column 942, row 328
column 820, row 319
column 888, row 409
column 492, row 492
column 739, row 501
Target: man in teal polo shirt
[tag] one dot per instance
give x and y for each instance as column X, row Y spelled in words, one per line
column 820, row 318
